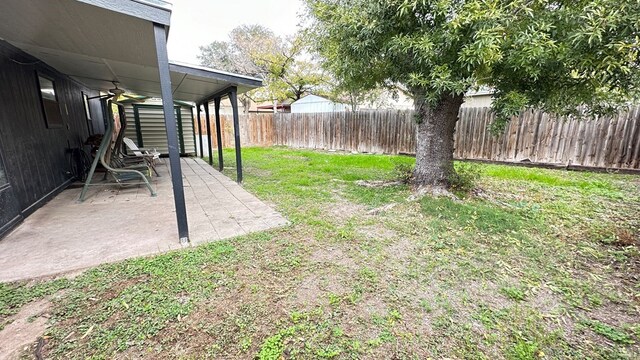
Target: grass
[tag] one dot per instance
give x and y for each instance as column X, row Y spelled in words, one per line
column 539, row 264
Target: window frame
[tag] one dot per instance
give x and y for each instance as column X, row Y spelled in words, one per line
column 4, row 184
column 45, row 114
column 87, row 112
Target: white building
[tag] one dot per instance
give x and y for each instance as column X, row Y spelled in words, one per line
column 317, row 104
column 479, row 98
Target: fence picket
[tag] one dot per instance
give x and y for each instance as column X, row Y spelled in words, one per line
column 611, row 142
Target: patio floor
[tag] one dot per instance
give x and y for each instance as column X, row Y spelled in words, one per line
column 117, row 223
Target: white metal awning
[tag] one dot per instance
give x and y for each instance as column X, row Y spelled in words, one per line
column 97, row 42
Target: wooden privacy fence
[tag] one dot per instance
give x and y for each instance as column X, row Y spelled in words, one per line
column 534, row 136
column 255, row 130
column 383, row 132
column 538, row 137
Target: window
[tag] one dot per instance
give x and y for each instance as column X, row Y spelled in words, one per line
column 87, row 111
column 3, row 175
column 49, row 101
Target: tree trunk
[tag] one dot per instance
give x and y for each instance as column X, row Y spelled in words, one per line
column 354, row 102
column 246, row 104
column 434, row 152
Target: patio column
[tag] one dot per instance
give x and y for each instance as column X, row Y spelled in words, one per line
column 160, row 33
column 206, row 115
column 200, row 132
column 216, row 102
column 233, row 96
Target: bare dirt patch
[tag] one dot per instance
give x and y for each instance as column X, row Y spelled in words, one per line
column 24, row 329
column 376, row 232
column 401, row 249
column 333, row 256
column 545, row 301
column 382, row 209
column 613, row 314
column 372, row 306
column 314, row 290
column 578, row 333
column 378, row 183
column 342, row 210
column 355, row 316
column 487, row 292
column 434, row 191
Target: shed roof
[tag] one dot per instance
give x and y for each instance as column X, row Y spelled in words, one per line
column 311, row 99
column 97, row 42
column 314, row 99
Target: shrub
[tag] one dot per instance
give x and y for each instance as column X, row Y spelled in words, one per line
column 403, row 172
column 465, row 177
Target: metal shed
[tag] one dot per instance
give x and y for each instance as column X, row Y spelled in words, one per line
column 147, row 129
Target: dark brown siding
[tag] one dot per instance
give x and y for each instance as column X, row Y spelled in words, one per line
column 35, row 157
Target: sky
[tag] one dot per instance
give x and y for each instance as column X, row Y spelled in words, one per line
column 199, row 22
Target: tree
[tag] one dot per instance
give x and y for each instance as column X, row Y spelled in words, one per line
column 356, row 96
column 554, row 55
column 238, row 54
column 256, row 51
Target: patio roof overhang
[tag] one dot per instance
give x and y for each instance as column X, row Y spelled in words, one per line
column 97, row 42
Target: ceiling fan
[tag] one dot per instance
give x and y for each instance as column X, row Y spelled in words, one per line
column 117, row 93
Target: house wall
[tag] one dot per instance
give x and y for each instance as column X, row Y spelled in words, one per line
column 35, row 158
column 482, row 100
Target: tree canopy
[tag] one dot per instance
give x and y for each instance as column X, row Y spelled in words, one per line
column 280, row 62
column 559, row 56
column 554, row 55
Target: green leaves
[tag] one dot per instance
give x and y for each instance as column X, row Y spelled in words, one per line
column 255, row 50
column 548, row 54
column 507, row 105
column 609, row 332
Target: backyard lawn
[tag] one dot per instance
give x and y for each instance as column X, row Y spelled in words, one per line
column 536, row 264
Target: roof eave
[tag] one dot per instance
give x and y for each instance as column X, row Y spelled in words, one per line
column 155, row 11
column 216, row 74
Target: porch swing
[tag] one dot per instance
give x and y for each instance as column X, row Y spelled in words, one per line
column 122, row 170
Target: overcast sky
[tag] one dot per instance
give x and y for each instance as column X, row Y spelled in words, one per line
column 199, row 22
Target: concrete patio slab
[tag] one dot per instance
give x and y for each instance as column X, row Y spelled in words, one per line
column 116, row 223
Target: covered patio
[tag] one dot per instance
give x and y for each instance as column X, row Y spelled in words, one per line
column 96, row 45
column 115, row 223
